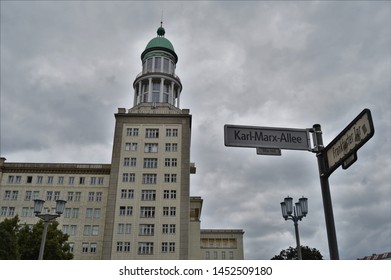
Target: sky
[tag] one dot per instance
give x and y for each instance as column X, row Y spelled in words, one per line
column 67, row 66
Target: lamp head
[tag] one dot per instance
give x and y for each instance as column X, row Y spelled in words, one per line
column 60, row 205
column 38, row 205
column 289, row 206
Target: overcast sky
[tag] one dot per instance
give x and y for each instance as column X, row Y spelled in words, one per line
column 66, row 66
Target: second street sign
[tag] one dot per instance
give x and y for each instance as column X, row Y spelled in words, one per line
column 266, row 137
column 342, row 150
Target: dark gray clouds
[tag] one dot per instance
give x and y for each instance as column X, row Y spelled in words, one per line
column 67, row 66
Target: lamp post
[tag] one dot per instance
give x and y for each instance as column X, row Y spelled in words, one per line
column 295, row 213
column 38, row 205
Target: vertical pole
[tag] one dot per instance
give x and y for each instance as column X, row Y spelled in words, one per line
column 299, row 257
column 43, row 240
column 325, row 187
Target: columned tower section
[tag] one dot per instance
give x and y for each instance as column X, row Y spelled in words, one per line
column 157, row 83
column 148, row 209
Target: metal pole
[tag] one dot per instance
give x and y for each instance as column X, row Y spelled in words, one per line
column 299, row 257
column 325, row 187
column 43, row 240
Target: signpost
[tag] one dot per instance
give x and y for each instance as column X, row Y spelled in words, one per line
column 269, row 151
column 341, row 151
column 266, row 137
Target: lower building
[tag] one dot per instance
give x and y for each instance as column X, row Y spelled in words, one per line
column 85, row 188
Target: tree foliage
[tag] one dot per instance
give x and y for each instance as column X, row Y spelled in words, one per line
column 307, row 253
column 23, row 242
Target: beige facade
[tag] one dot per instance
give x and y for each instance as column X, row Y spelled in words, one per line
column 139, row 206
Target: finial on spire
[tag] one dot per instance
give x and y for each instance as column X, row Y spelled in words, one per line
column 160, row 30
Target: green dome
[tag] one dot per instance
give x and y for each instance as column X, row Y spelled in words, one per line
column 160, row 43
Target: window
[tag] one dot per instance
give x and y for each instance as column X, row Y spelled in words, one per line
column 25, row 211
column 170, row 162
column 97, row 213
column 99, row 196
column 89, row 212
column 149, row 178
column 11, row 179
column 75, row 213
column 67, row 213
column 124, row 228
column 171, row 132
column 7, row 195
column 82, row 180
column 164, row 247
column 100, row 180
column 85, row 247
column 168, row 247
column 171, row 247
column 147, row 229
column 50, row 179
column 14, row 195
column 87, row 230
column 91, row 196
column 120, row 246
column 152, row 133
column 35, row 194
column 71, row 181
column 171, row 147
column 70, row 196
column 147, row 212
column 126, row 161
column 11, row 211
column 95, row 230
column 127, row 246
column 172, row 194
column 169, row 229
column 77, row 196
column 49, row 195
column 150, row 162
column 132, row 132
column 39, row 179
column 148, row 195
column 131, row 146
column 93, row 248
column 93, row 181
column 18, row 179
column 61, row 180
column 151, row 148
column 56, row 195
column 166, row 65
column 127, row 193
column 27, row 195
column 169, row 211
column 29, row 179
column 170, row 178
column 3, row 211
column 145, row 248
column 158, row 64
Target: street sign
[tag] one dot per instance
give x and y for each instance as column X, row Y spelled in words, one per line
column 342, row 150
column 266, row 137
column 268, row 151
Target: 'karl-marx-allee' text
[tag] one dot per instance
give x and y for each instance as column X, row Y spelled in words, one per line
column 260, row 136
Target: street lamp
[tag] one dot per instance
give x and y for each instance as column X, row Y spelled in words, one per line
column 295, row 213
column 38, row 205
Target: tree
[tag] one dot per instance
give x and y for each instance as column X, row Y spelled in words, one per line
column 56, row 247
column 307, row 253
column 24, row 242
column 9, row 239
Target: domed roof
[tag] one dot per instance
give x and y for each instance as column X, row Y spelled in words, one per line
column 159, row 43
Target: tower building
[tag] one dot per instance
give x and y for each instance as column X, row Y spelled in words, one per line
column 139, row 206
